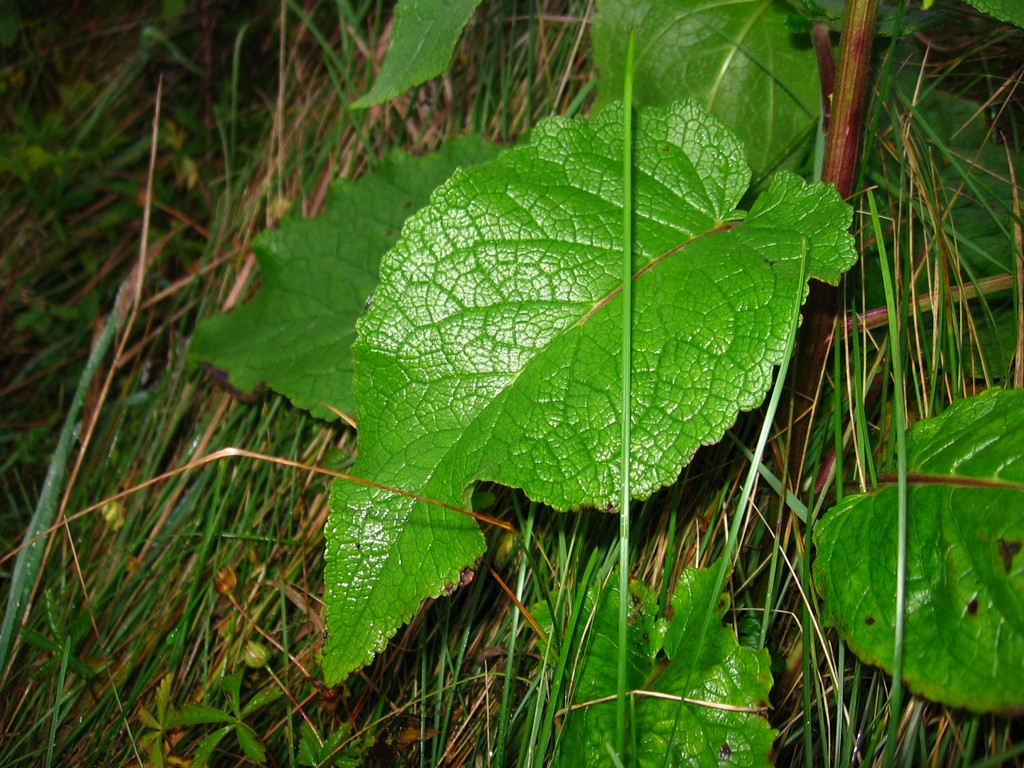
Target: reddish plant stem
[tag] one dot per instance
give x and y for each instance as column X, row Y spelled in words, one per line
column 843, row 147
column 826, row 70
column 842, row 151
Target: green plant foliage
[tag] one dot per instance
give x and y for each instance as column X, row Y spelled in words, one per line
column 897, row 17
column 166, row 718
column 422, row 41
column 682, row 683
column 974, row 175
column 1010, row 11
column 295, row 335
column 233, row 716
column 317, row 752
column 492, row 343
column 738, row 59
column 964, row 635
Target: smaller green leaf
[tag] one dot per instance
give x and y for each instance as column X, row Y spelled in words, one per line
column 163, row 696
column 295, row 334
column 964, row 625
column 423, row 39
column 148, row 720
column 315, row 751
column 156, row 754
column 310, row 745
column 156, row 751
column 250, row 743
column 260, row 700
column 198, row 714
column 207, row 746
column 700, row 706
column 231, row 685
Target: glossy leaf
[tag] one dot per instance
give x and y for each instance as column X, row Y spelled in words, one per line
column 296, row 333
column 738, row 59
column 964, row 630
column 492, row 343
column 664, row 728
column 423, row 38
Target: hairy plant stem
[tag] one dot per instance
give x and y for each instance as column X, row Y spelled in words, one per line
column 842, row 151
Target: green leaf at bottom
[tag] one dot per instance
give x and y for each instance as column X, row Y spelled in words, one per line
column 964, row 630
column 688, row 706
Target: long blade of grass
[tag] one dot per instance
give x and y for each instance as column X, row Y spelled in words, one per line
column 896, row 698
column 627, row 395
column 26, row 566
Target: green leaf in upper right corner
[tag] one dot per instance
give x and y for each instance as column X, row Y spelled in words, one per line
column 1009, row 11
column 964, row 628
column 423, row 38
column 737, row 58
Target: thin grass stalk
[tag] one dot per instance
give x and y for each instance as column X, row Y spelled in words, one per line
column 627, row 396
column 899, row 420
column 26, row 566
column 510, row 659
column 726, row 559
column 559, row 676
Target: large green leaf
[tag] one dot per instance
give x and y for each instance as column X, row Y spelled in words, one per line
column 737, row 58
column 731, row 683
column 295, row 334
column 964, row 631
column 423, row 38
column 491, row 349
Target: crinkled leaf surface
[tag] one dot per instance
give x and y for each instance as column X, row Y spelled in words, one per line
column 715, row 670
column 491, row 347
column 296, row 334
column 737, row 58
column 964, row 631
column 423, row 38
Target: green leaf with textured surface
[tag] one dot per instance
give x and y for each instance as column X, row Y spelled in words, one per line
column 491, row 349
column 964, row 631
column 1010, row 11
column 738, row 59
column 295, row 335
column 423, row 38
column 666, row 729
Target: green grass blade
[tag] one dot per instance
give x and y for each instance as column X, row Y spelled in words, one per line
column 26, row 567
column 896, row 699
column 627, row 395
